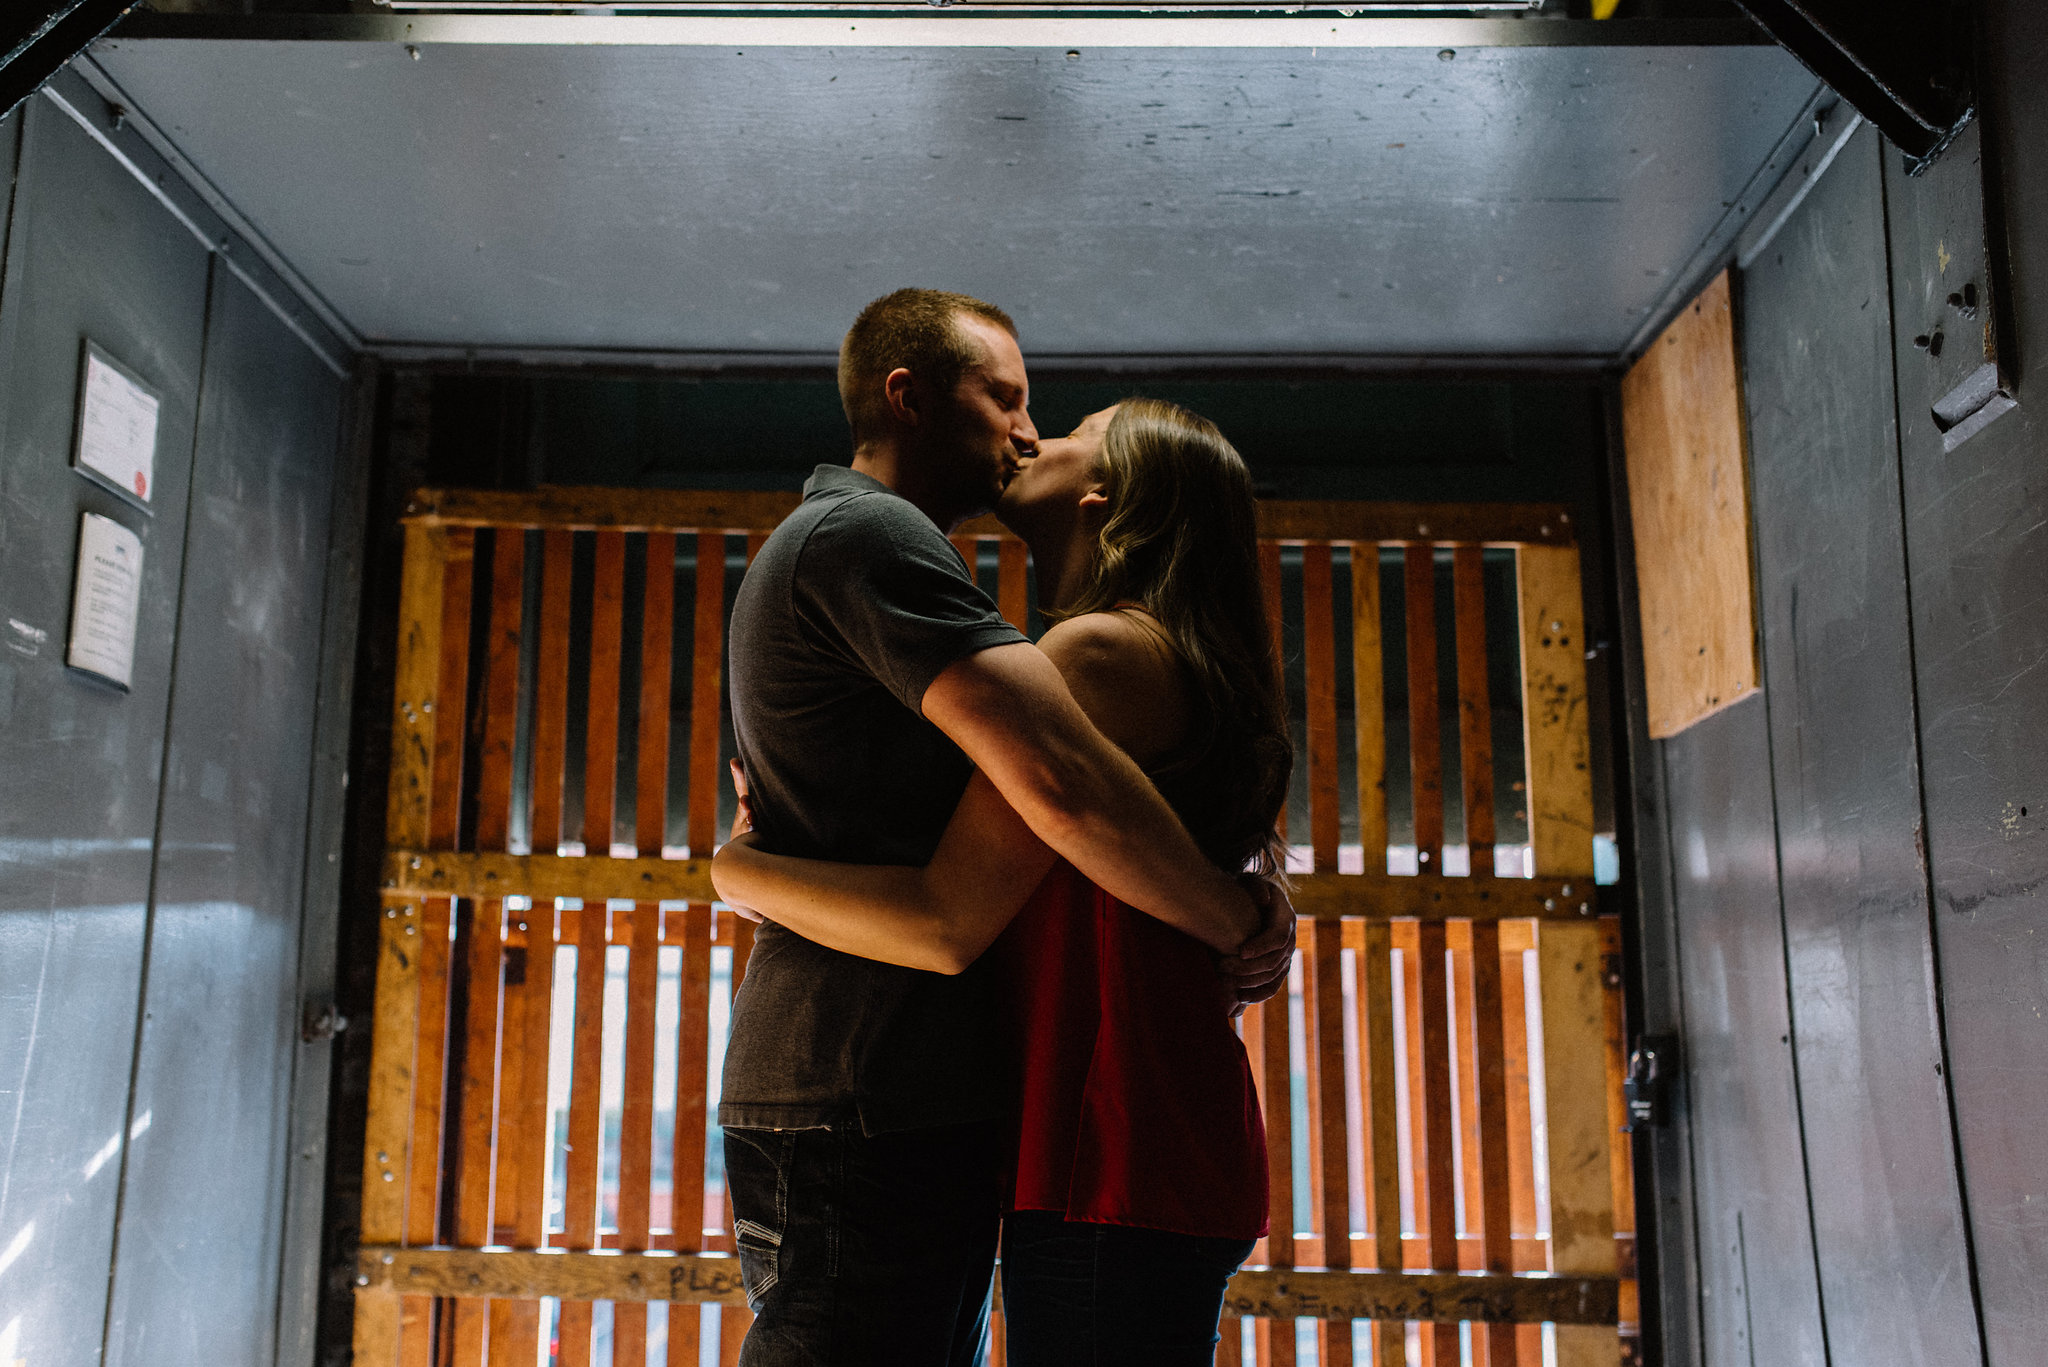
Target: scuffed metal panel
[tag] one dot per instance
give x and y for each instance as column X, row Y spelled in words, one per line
column 1758, row 1298
column 197, row 1276
column 1977, row 534
column 1837, row 655
column 92, row 254
column 1510, row 200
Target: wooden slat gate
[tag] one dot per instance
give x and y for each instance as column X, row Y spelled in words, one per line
column 550, row 998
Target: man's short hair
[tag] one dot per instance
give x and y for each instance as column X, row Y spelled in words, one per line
column 915, row 330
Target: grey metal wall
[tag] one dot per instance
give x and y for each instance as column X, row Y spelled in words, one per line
column 154, row 845
column 1855, row 858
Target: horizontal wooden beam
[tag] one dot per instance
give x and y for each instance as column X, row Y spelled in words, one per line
column 1396, row 524
column 543, row 877
column 757, row 510
column 1323, row 896
column 714, row 1279
column 1442, row 1297
column 518, row 1274
column 1391, row 897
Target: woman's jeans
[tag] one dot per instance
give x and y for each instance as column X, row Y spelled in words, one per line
column 1079, row 1295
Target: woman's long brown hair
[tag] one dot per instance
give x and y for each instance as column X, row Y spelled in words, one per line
column 1181, row 538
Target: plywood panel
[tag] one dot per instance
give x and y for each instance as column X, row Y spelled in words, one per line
column 1681, row 408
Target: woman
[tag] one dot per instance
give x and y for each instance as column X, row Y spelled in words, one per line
column 1140, row 1173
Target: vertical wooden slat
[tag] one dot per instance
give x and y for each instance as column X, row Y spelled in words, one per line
column 1555, row 729
column 1368, row 687
column 1464, row 1052
column 1560, row 805
column 530, row 970
column 1621, row 1157
column 395, row 1031
column 693, row 1047
column 600, row 770
column 482, row 940
column 650, row 788
column 1437, row 1208
column 1425, row 735
column 1279, row 1093
column 1319, row 664
column 1013, row 584
column 706, row 676
column 1275, row 1340
column 1496, row 1250
column 1475, row 706
column 1382, row 1120
column 1487, row 1129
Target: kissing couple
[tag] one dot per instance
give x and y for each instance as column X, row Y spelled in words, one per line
column 1012, row 894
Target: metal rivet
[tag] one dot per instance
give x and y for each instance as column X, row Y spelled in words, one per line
column 1550, row 904
column 388, row 1177
column 362, row 1281
column 1447, row 55
column 1567, row 889
column 411, row 929
column 415, row 861
column 391, row 913
column 388, row 1259
column 412, row 52
column 1585, row 908
column 383, row 1157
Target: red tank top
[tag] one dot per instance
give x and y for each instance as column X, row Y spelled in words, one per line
column 1137, row 1099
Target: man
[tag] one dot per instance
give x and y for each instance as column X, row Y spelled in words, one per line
column 862, row 1101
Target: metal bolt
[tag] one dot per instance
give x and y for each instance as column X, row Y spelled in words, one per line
column 391, row 913
column 1550, row 904
column 1585, row 908
column 1567, row 889
column 388, row 1177
column 411, row 929
column 362, row 1280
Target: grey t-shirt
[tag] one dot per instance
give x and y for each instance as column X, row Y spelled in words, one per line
column 851, row 609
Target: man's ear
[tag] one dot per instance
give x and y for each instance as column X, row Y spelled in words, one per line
column 1094, row 503
column 900, row 388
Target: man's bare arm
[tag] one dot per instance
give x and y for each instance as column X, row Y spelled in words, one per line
column 1010, row 711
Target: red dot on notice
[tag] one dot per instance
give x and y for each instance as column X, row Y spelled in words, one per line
column 141, row 485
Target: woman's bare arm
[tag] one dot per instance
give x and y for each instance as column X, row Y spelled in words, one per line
column 942, row 916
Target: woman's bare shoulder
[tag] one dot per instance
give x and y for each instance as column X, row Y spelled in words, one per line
column 1125, row 676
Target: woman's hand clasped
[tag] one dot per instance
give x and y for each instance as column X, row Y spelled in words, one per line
column 742, row 826
column 1261, row 965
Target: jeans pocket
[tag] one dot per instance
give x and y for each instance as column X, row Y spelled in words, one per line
column 760, row 1251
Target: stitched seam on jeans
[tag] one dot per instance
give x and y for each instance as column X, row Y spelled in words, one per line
column 761, row 1232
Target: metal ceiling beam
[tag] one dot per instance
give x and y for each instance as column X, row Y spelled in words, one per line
column 1904, row 64
column 42, row 35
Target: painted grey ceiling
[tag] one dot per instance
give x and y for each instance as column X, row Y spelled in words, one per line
column 1508, row 200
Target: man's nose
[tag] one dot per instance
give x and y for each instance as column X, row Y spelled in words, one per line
column 1024, row 436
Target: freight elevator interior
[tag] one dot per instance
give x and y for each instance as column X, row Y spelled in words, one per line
column 1647, row 285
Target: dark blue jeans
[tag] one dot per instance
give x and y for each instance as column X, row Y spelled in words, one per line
column 1083, row 1295
column 865, row 1251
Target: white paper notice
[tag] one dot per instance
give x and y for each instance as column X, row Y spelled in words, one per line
column 106, row 600
column 117, row 428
